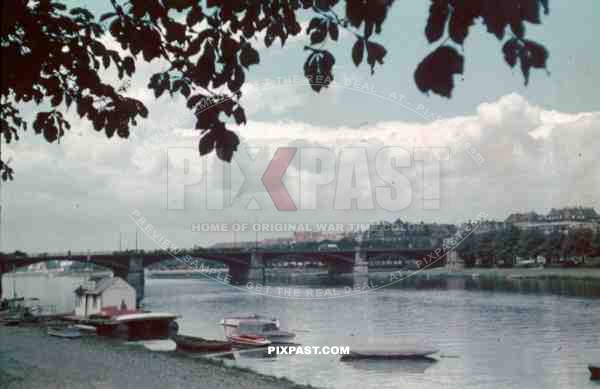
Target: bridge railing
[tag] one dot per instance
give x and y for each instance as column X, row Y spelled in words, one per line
column 195, row 251
column 60, row 255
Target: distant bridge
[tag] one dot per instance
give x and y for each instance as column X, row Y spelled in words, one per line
column 243, row 264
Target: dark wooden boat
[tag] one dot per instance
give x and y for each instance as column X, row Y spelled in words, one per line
column 594, row 372
column 200, row 345
column 11, row 322
column 389, row 353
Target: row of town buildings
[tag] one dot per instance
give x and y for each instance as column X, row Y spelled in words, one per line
column 557, row 220
column 431, row 234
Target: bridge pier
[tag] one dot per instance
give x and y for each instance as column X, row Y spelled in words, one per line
column 4, row 268
column 454, row 261
column 358, row 269
column 136, row 277
column 238, row 274
column 361, row 262
column 255, row 271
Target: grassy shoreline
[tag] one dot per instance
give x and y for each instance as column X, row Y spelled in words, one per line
column 31, row 359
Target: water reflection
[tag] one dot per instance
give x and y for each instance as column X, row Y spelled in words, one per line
column 557, row 286
column 408, row 366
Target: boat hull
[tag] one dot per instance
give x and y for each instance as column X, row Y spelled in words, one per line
column 257, row 326
column 249, row 341
column 139, row 329
column 278, row 337
column 594, row 372
column 11, row 322
column 387, row 355
column 200, row 345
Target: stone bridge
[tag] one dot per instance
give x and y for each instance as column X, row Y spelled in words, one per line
column 243, row 264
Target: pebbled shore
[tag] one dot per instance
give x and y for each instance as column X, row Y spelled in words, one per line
column 31, row 359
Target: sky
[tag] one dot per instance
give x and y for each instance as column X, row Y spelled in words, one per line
column 511, row 148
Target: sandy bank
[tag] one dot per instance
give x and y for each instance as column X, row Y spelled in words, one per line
column 31, row 359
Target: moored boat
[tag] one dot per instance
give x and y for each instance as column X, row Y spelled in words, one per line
column 200, row 345
column 354, row 355
column 382, row 350
column 235, row 321
column 249, row 341
column 20, row 310
column 138, row 326
column 594, row 371
column 85, row 328
column 257, row 325
column 64, row 332
column 11, row 320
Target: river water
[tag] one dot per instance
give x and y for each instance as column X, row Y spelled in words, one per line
column 539, row 334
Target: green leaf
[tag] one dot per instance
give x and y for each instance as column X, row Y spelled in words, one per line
column 537, row 53
column 129, row 65
column 436, row 23
column 358, row 51
column 249, row 56
column 333, row 31
column 511, row 51
column 318, row 35
column 435, row 72
column 207, row 143
column 239, row 115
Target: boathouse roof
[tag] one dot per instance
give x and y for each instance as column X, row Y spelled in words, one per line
column 96, row 287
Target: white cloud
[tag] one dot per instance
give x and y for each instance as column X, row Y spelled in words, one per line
column 78, row 195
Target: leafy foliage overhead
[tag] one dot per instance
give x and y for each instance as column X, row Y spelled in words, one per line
column 56, row 57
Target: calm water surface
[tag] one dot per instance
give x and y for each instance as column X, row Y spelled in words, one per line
column 487, row 338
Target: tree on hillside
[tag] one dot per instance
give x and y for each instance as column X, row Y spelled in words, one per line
column 551, row 247
column 56, row 57
column 595, row 245
column 567, row 246
column 530, row 243
column 468, row 250
column 583, row 238
column 506, row 244
column 347, row 243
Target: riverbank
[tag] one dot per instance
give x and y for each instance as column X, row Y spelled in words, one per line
column 540, row 273
column 29, row 358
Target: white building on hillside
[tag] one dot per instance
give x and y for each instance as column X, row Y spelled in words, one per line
column 105, row 293
column 558, row 220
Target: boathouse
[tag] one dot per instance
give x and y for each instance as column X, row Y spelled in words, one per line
column 107, row 293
